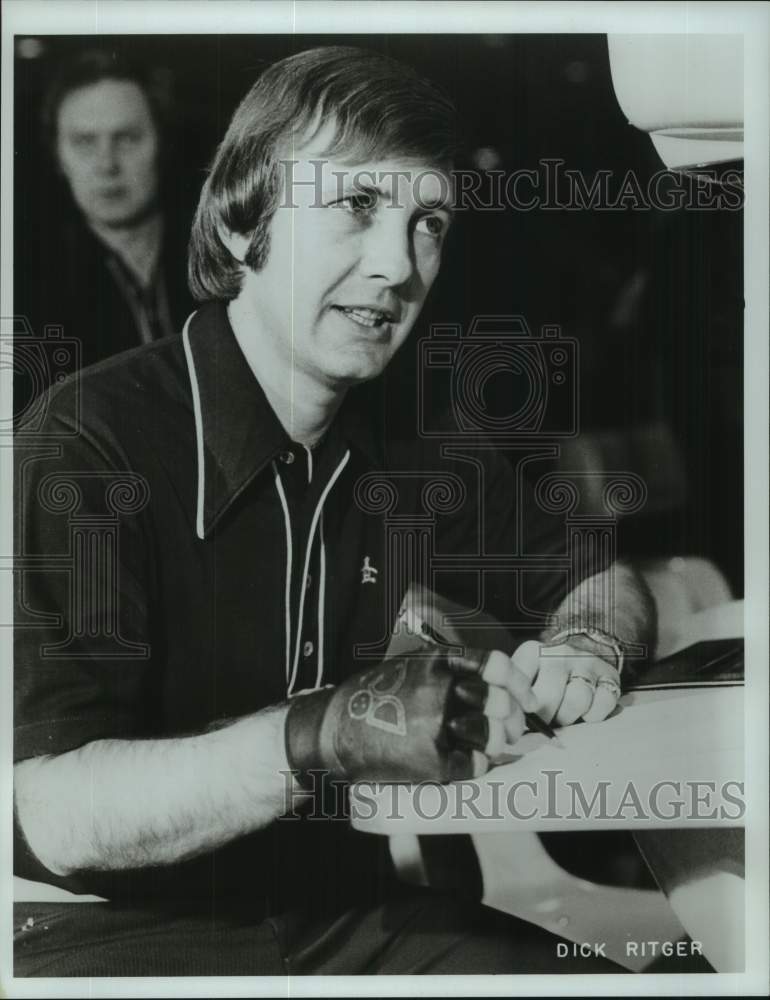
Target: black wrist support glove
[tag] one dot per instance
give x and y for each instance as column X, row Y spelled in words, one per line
column 407, row 719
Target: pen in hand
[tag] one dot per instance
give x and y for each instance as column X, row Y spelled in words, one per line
column 417, row 626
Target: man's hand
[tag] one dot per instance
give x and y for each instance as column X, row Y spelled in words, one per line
column 568, row 683
column 421, row 718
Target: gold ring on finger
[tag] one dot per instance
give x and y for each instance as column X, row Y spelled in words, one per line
column 610, row 684
column 585, row 678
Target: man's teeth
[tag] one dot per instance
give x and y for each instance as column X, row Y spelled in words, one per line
column 366, row 317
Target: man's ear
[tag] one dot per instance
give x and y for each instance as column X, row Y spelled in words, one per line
column 236, row 243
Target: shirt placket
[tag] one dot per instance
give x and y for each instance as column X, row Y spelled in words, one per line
column 302, row 493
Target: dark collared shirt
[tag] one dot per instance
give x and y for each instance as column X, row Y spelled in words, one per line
column 182, row 562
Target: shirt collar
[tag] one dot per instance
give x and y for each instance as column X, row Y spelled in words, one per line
column 237, row 431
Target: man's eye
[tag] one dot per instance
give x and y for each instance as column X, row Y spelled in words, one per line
column 358, row 203
column 433, row 225
column 128, row 138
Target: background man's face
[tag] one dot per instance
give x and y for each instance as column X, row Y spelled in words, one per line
column 349, row 266
column 107, row 148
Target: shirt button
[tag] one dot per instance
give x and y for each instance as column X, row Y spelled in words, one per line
column 308, row 582
column 287, row 458
column 307, row 649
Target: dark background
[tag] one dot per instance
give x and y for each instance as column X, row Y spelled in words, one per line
column 653, row 297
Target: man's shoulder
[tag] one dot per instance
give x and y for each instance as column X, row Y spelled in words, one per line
column 142, row 387
column 160, row 363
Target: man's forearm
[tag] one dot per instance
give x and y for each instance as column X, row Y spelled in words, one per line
column 616, row 601
column 117, row 804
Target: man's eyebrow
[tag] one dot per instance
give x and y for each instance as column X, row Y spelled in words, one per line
column 347, row 182
column 352, row 184
column 436, row 204
column 426, row 204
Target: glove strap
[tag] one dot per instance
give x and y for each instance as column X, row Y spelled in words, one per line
column 303, row 733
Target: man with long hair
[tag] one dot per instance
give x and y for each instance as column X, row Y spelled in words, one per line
column 179, row 734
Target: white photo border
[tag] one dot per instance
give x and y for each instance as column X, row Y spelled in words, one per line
column 229, row 17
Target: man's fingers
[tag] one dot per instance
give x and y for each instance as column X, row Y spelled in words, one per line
column 493, row 700
column 549, row 688
column 499, row 703
column 472, row 661
column 578, row 698
column 496, row 740
column 520, row 687
column 560, row 686
column 605, row 697
column 459, row 761
column 527, row 659
column 603, row 705
column 496, row 668
column 568, row 684
column 471, row 731
column 480, row 764
column 503, row 672
column 472, row 691
column 478, row 732
column 515, row 725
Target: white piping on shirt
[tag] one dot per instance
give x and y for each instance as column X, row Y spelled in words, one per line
column 287, row 595
column 321, row 603
column 317, row 517
column 196, row 401
column 313, row 524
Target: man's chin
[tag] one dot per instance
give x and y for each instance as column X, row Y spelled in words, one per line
column 349, row 368
column 348, row 376
column 125, row 217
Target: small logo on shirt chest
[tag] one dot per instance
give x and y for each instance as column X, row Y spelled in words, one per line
column 368, row 572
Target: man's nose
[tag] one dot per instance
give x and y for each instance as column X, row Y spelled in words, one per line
column 388, row 252
column 107, row 161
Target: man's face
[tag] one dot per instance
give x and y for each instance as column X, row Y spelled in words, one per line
column 349, row 265
column 107, row 148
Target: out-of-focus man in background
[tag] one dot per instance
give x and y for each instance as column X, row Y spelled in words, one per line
column 110, row 271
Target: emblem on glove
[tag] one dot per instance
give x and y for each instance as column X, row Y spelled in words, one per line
column 377, row 705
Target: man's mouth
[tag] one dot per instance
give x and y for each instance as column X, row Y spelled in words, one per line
column 366, row 316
